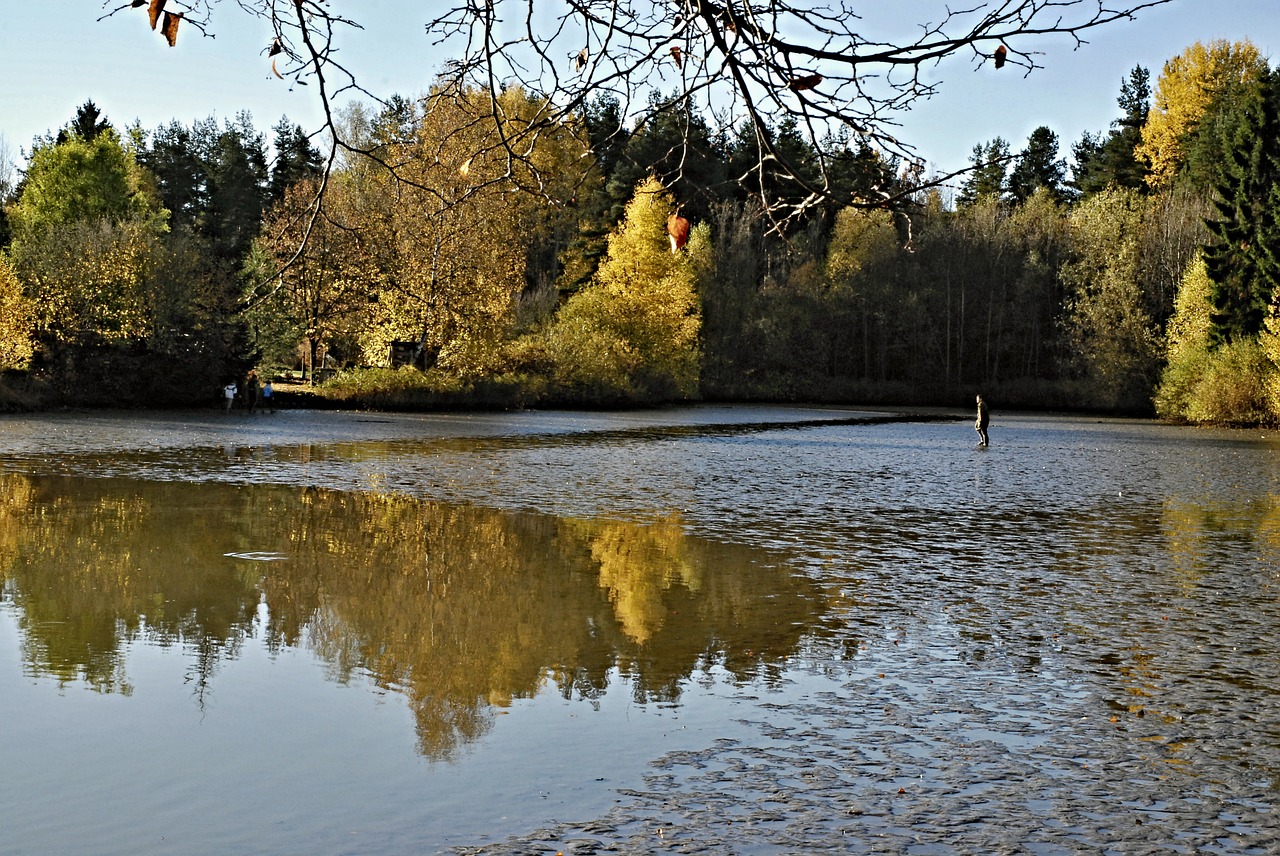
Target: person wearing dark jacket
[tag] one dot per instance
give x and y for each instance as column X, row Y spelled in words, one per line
column 980, row 424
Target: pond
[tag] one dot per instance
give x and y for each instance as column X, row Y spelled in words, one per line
column 718, row 629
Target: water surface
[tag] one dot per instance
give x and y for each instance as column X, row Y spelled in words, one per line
column 731, row 629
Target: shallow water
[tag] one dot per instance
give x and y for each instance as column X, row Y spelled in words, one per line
column 712, row 629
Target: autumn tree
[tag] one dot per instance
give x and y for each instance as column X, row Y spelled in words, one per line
column 86, row 235
column 633, row 333
column 124, row 308
column 1269, row 344
column 1203, row 382
column 1190, row 88
column 320, row 297
column 1114, row 344
column 17, row 320
column 453, row 231
column 1186, row 344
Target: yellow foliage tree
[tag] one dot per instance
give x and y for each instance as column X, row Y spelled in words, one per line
column 1189, row 86
column 86, row 241
column 1270, row 341
column 634, row 331
column 1187, row 342
column 459, row 218
column 17, row 320
column 319, row 296
column 1114, row 343
column 1234, row 383
column 90, row 281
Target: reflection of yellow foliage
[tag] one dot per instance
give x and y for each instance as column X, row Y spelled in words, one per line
column 462, row 610
column 15, row 496
column 1192, row 530
column 1185, row 548
column 637, row 565
column 1269, row 528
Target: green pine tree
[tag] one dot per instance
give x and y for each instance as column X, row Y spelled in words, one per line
column 1243, row 258
column 987, row 175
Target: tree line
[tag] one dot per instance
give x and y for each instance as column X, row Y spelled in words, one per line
column 442, row 262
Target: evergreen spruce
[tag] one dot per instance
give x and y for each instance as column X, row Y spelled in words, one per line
column 1243, row 258
column 1037, row 166
column 1102, row 162
column 987, row 175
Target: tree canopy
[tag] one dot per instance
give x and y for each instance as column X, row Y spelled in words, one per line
column 1189, row 87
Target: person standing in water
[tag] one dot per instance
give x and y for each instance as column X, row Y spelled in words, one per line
column 980, row 424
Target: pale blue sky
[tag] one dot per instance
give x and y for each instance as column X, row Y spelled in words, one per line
column 55, row 54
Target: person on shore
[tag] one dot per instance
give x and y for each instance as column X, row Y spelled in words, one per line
column 268, row 401
column 251, row 390
column 229, row 393
column 980, row 424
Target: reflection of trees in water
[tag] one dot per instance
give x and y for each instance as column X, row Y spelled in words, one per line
column 461, row 609
column 1201, row 536
column 92, row 572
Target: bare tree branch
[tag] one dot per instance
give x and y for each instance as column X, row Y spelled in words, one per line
column 747, row 63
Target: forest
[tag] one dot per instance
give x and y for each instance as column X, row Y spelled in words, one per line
column 1134, row 273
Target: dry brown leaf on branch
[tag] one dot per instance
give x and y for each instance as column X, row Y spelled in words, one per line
column 678, row 231
column 1001, row 54
column 170, row 27
column 275, row 70
column 580, row 61
column 808, row 81
column 677, row 56
column 276, row 48
column 157, row 6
